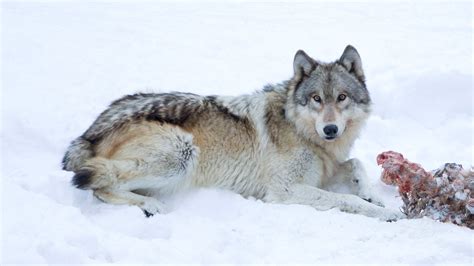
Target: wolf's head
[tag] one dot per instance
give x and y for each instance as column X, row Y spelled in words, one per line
column 328, row 101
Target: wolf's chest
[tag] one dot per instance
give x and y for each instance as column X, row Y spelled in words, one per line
column 300, row 165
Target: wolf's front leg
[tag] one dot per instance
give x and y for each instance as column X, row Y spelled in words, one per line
column 365, row 190
column 352, row 176
column 325, row 200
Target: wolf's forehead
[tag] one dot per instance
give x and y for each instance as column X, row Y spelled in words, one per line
column 330, row 78
column 337, row 79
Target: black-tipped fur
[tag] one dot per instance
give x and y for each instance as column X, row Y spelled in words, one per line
column 173, row 108
column 82, row 179
column 79, row 150
column 65, row 161
column 211, row 102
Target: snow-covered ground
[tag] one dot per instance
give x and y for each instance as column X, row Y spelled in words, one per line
column 62, row 63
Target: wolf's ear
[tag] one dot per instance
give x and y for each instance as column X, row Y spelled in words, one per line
column 303, row 62
column 350, row 59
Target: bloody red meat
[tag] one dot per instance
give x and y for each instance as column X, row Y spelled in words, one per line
column 443, row 194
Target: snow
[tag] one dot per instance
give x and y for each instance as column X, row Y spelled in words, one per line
column 63, row 62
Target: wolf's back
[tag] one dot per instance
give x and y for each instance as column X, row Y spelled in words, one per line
column 172, row 108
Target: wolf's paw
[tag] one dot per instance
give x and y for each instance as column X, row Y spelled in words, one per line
column 374, row 201
column 388, row 215
column 152, row 206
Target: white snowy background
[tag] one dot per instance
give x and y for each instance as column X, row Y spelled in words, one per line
column 63, row 63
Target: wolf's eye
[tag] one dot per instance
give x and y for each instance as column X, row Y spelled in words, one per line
column 316, row 98
column 341, row 97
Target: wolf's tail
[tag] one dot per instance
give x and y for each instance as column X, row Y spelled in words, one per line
column 95, row 173
column 90, row 172
column 77, row 153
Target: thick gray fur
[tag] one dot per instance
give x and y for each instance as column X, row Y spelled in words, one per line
column 273, row 144
column 174, row 108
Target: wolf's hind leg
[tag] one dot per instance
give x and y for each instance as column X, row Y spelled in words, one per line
column 149, row 205
column 161, row 158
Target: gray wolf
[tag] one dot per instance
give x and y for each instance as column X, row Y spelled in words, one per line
column 287, row 143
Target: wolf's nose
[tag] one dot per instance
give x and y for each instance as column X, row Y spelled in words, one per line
column 330, row 130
